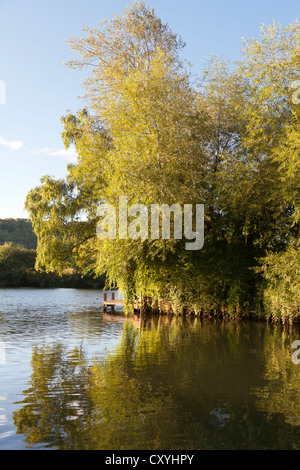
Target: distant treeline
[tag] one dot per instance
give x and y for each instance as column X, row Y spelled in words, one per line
column 18, row 231
column 17, row 270
column 18, row 245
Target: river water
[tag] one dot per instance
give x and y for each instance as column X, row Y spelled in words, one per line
column 73, row 377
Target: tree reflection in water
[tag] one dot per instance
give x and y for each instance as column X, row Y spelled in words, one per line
column 171, row 384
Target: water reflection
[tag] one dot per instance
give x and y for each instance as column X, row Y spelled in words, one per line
column 169, row 384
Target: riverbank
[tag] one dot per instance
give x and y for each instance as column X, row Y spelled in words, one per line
column 164, row 308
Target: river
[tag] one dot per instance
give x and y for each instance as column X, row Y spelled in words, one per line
column 74, row 377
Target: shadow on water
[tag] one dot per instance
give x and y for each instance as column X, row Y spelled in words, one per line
column 168, row 384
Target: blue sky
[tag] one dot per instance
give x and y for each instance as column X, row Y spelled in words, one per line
column 39, row 89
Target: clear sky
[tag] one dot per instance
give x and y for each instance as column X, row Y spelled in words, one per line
column 39, row 89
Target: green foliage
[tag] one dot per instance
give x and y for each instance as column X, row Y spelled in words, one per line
column 282, row 270
column 15, row 263
column 17, row 269
column 18, row 231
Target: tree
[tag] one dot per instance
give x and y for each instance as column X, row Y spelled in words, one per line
column 140, row 141
column 18, row 231
column 16, row 264
column 272, row 69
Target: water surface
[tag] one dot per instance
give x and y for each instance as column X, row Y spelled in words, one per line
column 73, row 377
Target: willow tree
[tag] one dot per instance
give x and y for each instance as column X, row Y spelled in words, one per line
column 140, row 138
column 256, row 179
column 271, row 68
